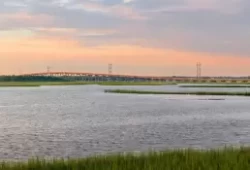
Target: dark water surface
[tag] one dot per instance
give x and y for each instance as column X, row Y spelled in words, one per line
column 77, row 121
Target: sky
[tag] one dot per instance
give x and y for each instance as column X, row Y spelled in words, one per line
column 139, row 37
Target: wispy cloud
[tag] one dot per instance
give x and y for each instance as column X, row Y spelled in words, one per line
column 127, row 1
column 24, row 17
column 17, row 33
column 61, row 2
column 118, row 10
column 222, row 6
column 72, row 32
column 14, row 4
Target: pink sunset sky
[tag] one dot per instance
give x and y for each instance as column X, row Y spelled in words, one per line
column 141, row 37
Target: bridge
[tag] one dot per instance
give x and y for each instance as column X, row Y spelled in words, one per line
column 85, row 76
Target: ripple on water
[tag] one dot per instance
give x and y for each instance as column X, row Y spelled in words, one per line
column 82, row 120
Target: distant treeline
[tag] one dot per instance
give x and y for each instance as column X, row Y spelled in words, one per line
column 31, row 79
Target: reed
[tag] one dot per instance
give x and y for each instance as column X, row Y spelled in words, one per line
column 225, row 159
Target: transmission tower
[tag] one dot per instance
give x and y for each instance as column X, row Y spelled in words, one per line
column 110, row 68
column 48, row 69
column 198, row 70
column 20, row 71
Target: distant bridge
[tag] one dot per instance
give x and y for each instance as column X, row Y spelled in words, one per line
column 98, row 76
column 84, row 76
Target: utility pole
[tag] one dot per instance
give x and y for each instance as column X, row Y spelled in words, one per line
column 48, row 69
column 110, row 68
column 20, row 71
column 198, row 70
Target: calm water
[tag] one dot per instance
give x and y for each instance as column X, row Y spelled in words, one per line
column 79, row 121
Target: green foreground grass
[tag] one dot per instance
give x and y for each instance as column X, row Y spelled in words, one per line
column 216, row 86
column 37, row 84
column 226, row 159
column 179, row 93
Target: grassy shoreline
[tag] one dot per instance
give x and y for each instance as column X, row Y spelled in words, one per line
column 37, row 84
column 215, row 86
column 224, row 159
column 113, row 83
column 178, row 93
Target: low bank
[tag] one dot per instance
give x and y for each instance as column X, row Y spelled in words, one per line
column 179, row 93
column 213, row 86
column 37, row 84
column 238, row 159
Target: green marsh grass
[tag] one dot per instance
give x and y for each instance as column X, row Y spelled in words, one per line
column 215, row 86
column 37, row 84
column 225, row 159
column 178, row 93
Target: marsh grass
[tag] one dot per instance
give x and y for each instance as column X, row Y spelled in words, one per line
column 225, row 159
column 37, row 84
column 215, row 86
column 179, row 93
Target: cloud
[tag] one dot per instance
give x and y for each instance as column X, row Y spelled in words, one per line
column 61, row 2
column 72, row 32
column 127, row 1
column 23, row 19
column 119, row 10
column 199, row 27
column 20, row 33
column 14, row 4
column 221, row 6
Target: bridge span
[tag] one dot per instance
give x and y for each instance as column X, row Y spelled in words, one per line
column 85, row 76
column 74, row 74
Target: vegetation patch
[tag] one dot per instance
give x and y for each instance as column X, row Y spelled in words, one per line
column 214, row 86
column 68, row 83
column 225, row 159
column 179, row 93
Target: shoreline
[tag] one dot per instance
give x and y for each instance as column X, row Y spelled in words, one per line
column 74, row 83
column 118, row 91
column 115, row 83
column 214, row 86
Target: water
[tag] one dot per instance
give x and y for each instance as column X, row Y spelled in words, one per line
column 79, row 121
